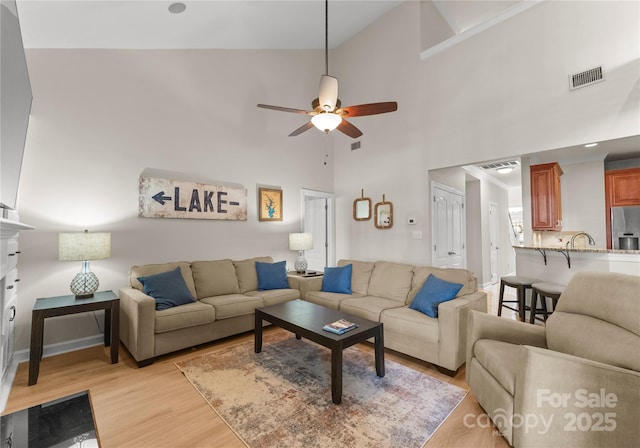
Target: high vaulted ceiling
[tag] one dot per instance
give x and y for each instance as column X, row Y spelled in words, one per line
column 230, row 24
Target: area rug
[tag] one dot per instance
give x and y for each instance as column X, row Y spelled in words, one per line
column 281, row 397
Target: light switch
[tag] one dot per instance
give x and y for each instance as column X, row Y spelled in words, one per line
column 416, row 235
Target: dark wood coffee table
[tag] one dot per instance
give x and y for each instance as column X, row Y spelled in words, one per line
column 306, row 319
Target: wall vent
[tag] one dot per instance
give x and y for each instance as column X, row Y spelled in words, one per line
column 510, row 163
column 586, row 78
column 355, row 145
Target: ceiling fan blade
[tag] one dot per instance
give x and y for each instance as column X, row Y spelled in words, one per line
column 368, row 109
column 305, row 127
column 328, row 93
column 286, row 109
column 347, row 128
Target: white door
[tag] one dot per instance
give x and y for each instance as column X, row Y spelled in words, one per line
column 317, row 210
column 494, row 231
column 448, row 222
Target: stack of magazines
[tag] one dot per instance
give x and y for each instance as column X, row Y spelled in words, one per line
column 340, row 326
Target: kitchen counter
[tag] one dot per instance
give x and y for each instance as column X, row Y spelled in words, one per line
column 555, row 264
column 594, row 250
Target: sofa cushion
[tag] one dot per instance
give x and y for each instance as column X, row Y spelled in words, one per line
column 150, row 269
column 247, row 274
column 360, row 275
column 189, row 315
column 463, row 276
column 275, row 296
column 272, row 275
column 368, row 307
column 500, row 359
column 215, row 278
column 391, row 281
column 167, row 288
column 413, row 324
column 329, row 299
column 233, row 305
column 433, row 293
column 337, row 279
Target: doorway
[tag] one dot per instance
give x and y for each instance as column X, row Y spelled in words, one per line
column 448, row 224
column 318, row 218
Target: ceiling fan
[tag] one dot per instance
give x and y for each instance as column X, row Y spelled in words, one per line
column 328, row 113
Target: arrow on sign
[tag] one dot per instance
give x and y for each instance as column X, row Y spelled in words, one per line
column 160, row 197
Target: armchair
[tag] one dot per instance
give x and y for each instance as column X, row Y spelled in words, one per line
column 575, row 382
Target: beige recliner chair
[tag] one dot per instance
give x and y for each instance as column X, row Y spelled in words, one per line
column 575, row 383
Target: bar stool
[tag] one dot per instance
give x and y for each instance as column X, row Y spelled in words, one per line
column 521, row 284
column 544, row 290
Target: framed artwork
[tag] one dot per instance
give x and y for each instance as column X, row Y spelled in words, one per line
column 270, row 204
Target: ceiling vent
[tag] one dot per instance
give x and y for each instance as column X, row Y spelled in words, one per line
column 510, row 163
column 586, row 78
column 355, row 145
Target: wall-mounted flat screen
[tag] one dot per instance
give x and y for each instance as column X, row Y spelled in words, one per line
column 15, row 102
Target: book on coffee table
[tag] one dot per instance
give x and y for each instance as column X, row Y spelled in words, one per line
column 340, row 326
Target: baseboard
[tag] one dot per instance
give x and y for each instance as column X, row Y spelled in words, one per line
column 61, row 347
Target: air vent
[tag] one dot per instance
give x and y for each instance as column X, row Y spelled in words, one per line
column 510, row 163
column 355, row 146
column 586, row 78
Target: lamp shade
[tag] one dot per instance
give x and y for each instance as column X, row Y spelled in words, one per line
column 82, row 246
column 326, row 121
column 300, row 241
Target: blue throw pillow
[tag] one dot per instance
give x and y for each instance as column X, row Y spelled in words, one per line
column 337, row 279
column 167, row 288
column 272, row 275
column 433, row 292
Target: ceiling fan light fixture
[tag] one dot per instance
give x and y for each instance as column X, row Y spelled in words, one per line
column 326, row 121
column 505, row 169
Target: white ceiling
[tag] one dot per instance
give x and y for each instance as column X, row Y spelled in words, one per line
column 230, row 24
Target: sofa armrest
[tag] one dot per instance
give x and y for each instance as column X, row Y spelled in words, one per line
column 452, row 327
column 137, row 323
column 582, row 402
column 485, row 326
column 306, row 284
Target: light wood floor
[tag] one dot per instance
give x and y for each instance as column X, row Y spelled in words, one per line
column 155, row 406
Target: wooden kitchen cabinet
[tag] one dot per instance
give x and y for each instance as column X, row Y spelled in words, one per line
column 621, row 188
column 546, row 197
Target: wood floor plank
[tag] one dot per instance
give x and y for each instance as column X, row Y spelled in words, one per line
column 155, row 406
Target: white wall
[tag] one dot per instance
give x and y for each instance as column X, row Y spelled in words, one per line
column 502, row 93
column 100, row 117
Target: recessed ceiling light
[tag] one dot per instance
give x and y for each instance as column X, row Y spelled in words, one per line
column 504, row 170
column 177, row 8
column 590, row 145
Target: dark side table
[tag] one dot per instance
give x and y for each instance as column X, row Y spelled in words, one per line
column 65, row 305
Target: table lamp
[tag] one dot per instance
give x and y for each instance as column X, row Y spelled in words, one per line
column 300, row 242
column 84, row 246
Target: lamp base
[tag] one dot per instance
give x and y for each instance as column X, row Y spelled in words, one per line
column 84, row 296
column 300, row 265
column 84, row 284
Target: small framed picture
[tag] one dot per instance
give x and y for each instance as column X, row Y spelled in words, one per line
column 270, row 204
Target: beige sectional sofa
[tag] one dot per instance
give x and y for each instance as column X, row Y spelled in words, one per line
column 227, row 296
column 382, row 291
